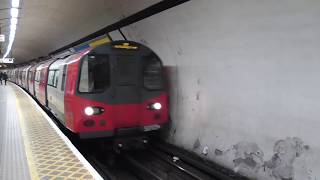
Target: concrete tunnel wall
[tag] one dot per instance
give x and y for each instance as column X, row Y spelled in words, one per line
column 245, row 82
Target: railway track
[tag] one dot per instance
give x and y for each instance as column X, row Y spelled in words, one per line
column 215, row 171
column 159, row 161
column 155, row 165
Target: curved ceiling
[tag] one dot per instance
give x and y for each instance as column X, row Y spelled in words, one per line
column 46, row 25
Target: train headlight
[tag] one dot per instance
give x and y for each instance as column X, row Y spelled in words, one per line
column 89, row 111
column 156, row 106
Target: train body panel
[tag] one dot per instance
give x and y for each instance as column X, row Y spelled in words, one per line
column 116, row 118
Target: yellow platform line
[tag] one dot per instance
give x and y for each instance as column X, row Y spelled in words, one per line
column 66, row 162
column 32, row 168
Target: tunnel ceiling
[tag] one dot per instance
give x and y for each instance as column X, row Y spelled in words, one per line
column 46, row 25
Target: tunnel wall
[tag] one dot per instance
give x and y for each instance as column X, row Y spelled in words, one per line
column 244, row 82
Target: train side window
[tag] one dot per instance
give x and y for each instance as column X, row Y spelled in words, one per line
column 40, row 76
column 29, row 76
column 37, row 76
column 56, row 76
column 94, row 74
column 51, row 78
column 32, row 75
column 22, row 75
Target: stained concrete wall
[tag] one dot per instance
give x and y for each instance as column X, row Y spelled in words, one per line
column 245, row 82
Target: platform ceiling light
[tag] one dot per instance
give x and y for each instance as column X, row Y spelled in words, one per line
column 15, row 3
column 14, row 12
column 13, row 28
column 14, row 21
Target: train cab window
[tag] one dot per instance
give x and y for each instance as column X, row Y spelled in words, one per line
column 64, row 76
column 152, row 74
column 94, row 74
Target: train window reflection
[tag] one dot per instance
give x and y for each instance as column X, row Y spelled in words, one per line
column 95, row 74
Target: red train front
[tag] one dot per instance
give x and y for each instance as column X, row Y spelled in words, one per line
column 115, row 89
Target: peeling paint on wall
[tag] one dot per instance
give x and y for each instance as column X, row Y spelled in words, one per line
column 285, row 153
column 198, row 96
column 248, row 159
column 196, row 144
column 218, row 152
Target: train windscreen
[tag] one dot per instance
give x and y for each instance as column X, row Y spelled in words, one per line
column 152, row 74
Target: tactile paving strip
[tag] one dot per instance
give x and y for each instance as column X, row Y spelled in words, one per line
column 50, row 156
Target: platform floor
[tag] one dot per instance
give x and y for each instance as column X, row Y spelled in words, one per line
column 31, row 147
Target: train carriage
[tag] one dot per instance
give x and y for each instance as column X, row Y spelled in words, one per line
column 111, row 90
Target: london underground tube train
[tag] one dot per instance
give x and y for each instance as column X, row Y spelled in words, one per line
column 113, row 89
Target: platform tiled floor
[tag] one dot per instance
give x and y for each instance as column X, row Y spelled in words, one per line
column 29, row 145
column 13, row 159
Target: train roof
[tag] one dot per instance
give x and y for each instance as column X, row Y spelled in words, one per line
column 45, row 64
